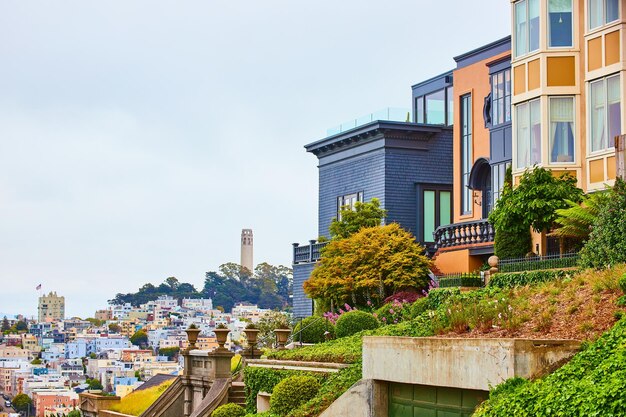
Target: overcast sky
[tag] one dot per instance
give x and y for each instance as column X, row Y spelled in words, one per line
column 137, row 138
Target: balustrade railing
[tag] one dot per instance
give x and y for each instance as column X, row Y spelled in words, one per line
column 466, row 233
column 308, row 253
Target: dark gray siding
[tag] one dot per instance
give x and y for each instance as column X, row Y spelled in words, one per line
column 302, row 305
column 404, row 168
column 363, row 173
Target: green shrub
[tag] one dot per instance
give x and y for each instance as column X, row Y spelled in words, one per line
column 292, row 392
column 229, row 410
column 607, row 241
column 515, row 279
column 591, row 384
column 514, row 244
column 622, row 283
column 313, row 329
column 353, row 322
column 265, row 379
column 415, row 309
column 463, row 280
column 393, row 312
column 438, row 296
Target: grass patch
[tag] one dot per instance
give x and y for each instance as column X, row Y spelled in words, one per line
column 137, row 402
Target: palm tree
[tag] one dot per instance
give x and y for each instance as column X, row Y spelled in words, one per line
column 575, row 221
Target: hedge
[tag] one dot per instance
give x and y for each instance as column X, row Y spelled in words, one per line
column 229, row 410
column 513, row 279
column 461, row 281
column 292, row 392
column 265, row 379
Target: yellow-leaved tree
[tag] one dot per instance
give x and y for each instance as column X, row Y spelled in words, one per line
column 369, row 265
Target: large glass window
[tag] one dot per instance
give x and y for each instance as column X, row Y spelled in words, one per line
column 501, row 97
column 528, row 134
column 466, row 153
column 436, row 108
column 601, row 12
column 605, row 112
column 560, row 23
column 498, row 175
column 450, row 97
column 419, row 110
column 526, row 26
column 437, row 211
column 561, row 129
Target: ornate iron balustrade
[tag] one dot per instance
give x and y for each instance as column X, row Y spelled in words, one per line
column 307, row 253
column 466, row 233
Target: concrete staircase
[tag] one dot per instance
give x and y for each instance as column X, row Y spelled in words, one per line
column 237, row 393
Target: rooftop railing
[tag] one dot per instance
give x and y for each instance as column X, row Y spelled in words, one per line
column 393, row 114
column 307, row 253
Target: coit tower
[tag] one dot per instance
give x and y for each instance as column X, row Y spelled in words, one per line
column 246, row 249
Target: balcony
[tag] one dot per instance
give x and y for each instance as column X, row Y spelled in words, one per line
column 393, row 114
column 308, row 253
column 464, row 234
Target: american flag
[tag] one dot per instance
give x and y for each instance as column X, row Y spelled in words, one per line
column 38, row 287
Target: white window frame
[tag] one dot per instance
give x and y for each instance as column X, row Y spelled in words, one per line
column 604, row 80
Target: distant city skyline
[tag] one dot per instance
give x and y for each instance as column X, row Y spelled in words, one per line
column 138, row 137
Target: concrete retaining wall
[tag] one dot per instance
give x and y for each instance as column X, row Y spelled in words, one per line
column 462, row 363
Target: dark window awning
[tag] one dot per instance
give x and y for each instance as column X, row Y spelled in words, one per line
column 479, row 174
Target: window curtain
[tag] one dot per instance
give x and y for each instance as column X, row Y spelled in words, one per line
column 598, row 116
column 535, row 133
column 595, row 13
column 521, row 28
column 562, row 129
column 533, row 24
column 615, row 108
column 523, row 136
column 612, row 10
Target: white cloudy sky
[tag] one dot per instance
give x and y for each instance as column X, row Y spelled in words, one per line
column 137, row 138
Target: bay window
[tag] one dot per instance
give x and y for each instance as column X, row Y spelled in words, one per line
column 605, row 112
column 561, row 129
column 560, row 23
column 528, row 134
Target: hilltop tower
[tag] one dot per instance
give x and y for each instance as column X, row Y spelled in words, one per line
column 246, row 249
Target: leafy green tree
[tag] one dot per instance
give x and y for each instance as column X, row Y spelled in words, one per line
column 370, row 265
column 576, row 221
column 74, row 413
column 21, row 326
column 140, row 338
column 268, row 323
column 607, row 241
column 532, row 204
column 95, row 322
column 364, row 215
column 114, row 328
column 94, row 384
column 172, row 282
column 6, row 326
column 170, row 352
column 21, row 402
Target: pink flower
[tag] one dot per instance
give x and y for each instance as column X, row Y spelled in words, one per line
column 384, row 318
column 369, row 303
column 375, row 315
column 391, row 311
